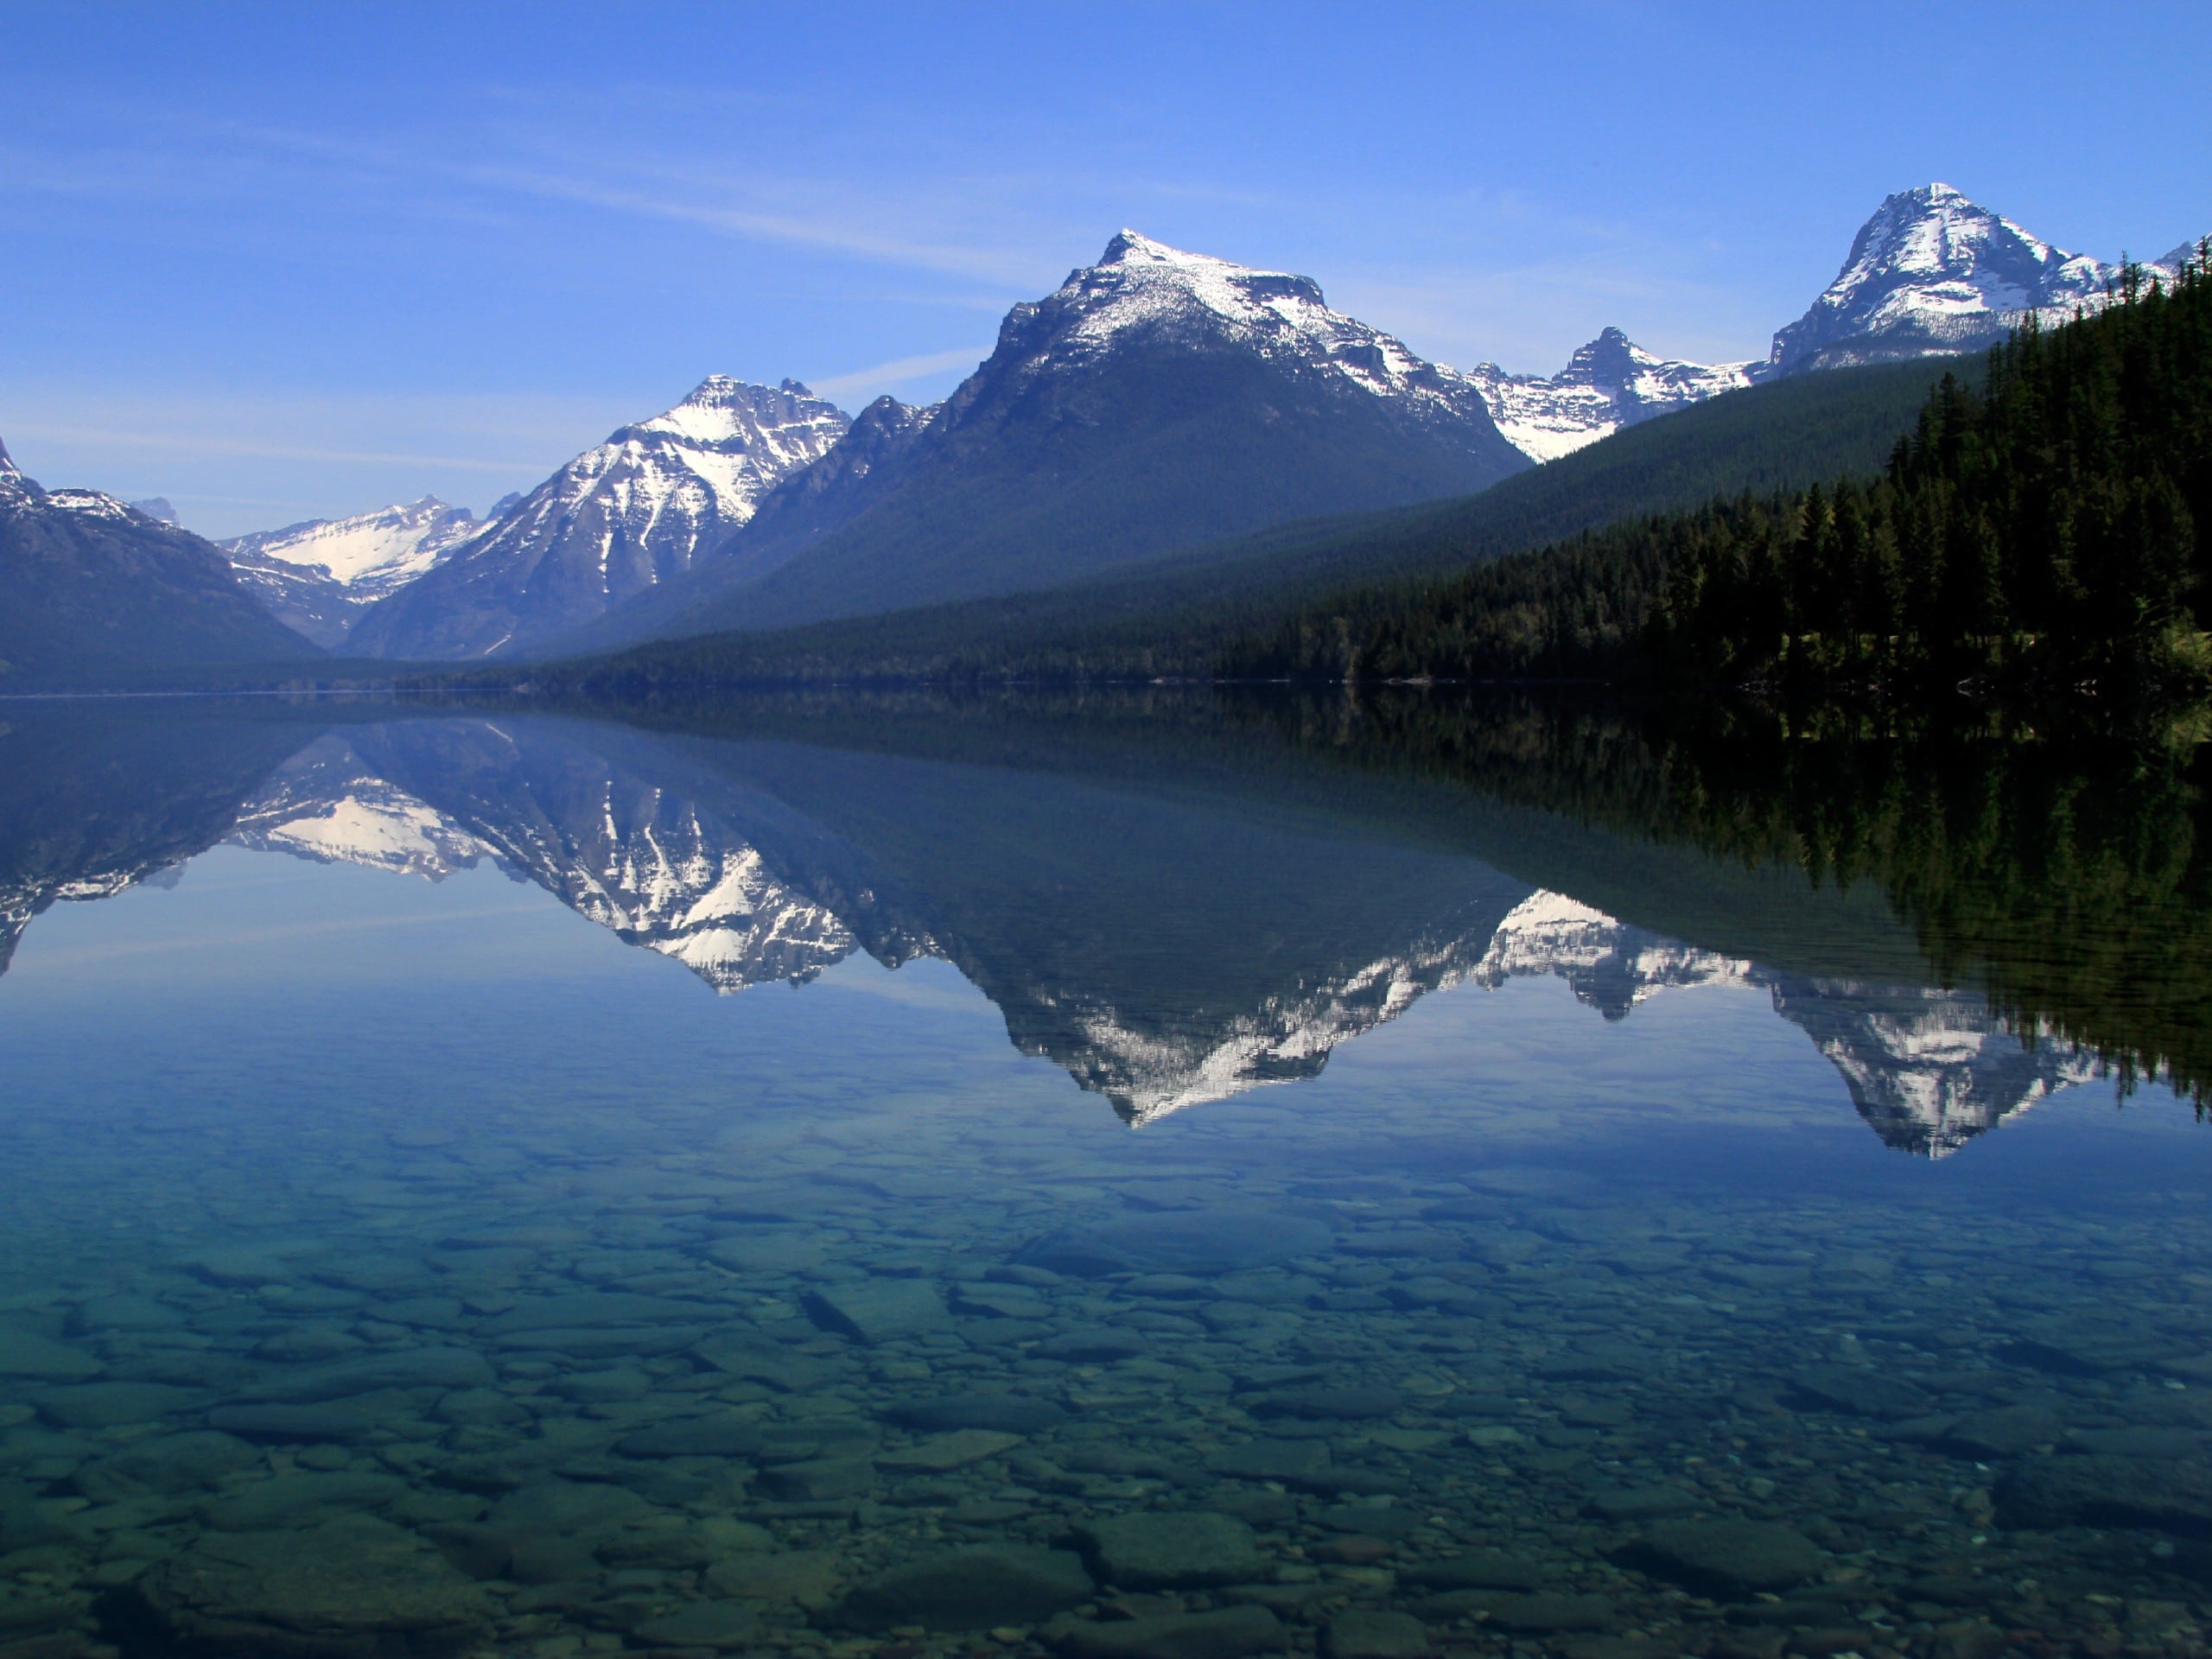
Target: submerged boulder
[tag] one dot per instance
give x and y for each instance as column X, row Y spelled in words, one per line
column 969, row 1589
column 352, row 1589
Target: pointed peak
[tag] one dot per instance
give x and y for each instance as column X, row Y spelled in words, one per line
column 1609, row 360
column 1135, row 264
column 8, row 467
column 714, row 389
column 722, row 390
column 1131, row 247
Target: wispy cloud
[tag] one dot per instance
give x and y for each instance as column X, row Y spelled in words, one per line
column 899, row 372
column 828, row 233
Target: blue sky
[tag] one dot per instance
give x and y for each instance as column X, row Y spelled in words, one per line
column 282, row 261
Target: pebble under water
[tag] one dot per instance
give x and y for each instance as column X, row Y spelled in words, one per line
column 394, row 1267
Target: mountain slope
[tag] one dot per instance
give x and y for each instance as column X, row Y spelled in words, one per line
column 1930, row 272
column 1158, row 399
column 864, row 466
column 318, row 576
column 91, row 588
column 1170, row 614
column 1607, row 384
column 615, row 521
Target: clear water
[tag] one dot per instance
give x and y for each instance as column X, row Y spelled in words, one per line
column 428, row 1225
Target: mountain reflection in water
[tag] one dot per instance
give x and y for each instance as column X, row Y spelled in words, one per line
column 1171, row 928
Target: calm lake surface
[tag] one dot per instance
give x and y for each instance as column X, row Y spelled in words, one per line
column 1121, row 1180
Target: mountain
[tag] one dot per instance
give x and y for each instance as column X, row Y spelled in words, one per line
column 318, row 576
column 1157, row 399
column 616, row 521
column 90, row 586
column 1607, row 384
column 861, row 468
column 157, row 507
column 1175, row 613
column 1932, row 272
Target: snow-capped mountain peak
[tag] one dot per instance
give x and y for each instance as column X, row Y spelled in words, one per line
column 1144, row 291
column 620, row 519
column 373, row 552
column 1933, row 271
column 319, row 576
column 1608, row 384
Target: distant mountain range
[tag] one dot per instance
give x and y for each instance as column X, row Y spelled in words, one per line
column 1157, row 401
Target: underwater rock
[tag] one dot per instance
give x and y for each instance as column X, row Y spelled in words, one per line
column 113, row 1405
column 406, row 1368
column 341, row 1420
column 721, row 1626
column 1226, row 1633
column 775, row 1575
column 1007, row 1414
column 956, row 1450
column 1860, row 1389
column 1363, row 1635
column 1200, row 1241
column 165, row 1463
column 1478, row 1569
column 1731, row 1557
column 2088, row 1490
column 970, row 1588
column 1164, row 1549
column 695, row 1437
column 25, row 1353
column 352, row 1589
column 2006, row 1431
column 880, row 1311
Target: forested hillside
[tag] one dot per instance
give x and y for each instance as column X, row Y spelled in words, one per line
column 2046, row 525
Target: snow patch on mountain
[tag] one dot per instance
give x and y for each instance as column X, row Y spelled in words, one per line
column 372, row 552
column 91, row 504
column 319, row 576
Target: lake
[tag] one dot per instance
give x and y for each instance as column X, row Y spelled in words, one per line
column 1137, row 1176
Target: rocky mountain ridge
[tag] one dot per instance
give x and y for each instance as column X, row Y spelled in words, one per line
column 617, row 520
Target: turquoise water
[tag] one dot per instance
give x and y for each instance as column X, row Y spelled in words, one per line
column 501, row 1185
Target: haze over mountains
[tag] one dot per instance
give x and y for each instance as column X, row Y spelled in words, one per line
column 1157, row 401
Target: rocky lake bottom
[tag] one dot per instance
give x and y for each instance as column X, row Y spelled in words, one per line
column 425, row 1273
